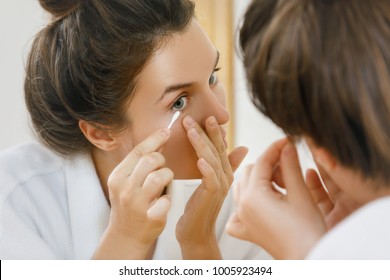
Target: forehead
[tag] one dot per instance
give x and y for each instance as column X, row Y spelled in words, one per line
column 184, row 57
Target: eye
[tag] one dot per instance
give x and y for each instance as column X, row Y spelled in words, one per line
column 214, row 78
column 180, row 103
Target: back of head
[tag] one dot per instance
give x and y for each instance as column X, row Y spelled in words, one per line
column 321, row 68
column 84, row 65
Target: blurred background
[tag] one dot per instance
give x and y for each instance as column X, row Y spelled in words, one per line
column 20, row 20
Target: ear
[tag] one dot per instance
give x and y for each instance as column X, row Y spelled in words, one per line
column 99, row 137
column 321, row 156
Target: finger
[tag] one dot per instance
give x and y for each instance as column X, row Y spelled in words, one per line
column 190, row 124
column 278, row 176
column 159, row 210
column 151, row 144
column 203, row 150
column 237, row 156
column 155, row 183
column 242, row 183
column 236, row 228
column 330, row 185
column 215, row 135
column 292, row 174
column 210, row 179
column 203, row 199
column 265, row 164
column 146, row 165
column 317, row 191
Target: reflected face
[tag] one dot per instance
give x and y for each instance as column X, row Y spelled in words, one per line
column 181, row 76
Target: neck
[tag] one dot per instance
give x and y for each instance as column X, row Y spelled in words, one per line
column 362, row 190
column 105, row 163
column 374, row 191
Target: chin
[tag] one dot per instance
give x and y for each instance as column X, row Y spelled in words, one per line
column 187, row 174
column 185, row 170
column 182, row 160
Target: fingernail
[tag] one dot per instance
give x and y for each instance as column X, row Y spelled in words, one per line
column 194, row 134
column 212, row 121
column 189, row 121
column 165, row 132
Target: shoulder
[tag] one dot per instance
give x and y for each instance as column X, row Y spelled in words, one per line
column 20, row 163
column 33, row 203
column 363, row 235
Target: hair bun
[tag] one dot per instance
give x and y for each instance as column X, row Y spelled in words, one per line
column 59, row 8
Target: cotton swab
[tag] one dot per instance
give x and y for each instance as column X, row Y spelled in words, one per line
column 174, row 118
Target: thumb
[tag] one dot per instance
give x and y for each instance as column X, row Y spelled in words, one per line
column 292, row 174
column 318, row 192
column 237, row 156
column 235, row 227
column 159, row 210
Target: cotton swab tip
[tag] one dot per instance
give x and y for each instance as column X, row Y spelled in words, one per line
column 174, row 118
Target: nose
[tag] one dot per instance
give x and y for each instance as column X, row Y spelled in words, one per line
column 214, row 104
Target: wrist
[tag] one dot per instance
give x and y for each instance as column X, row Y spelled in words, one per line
column 302, row 248
column 201, row 250
column 117, row 245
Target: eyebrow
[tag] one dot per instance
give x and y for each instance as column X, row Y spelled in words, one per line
column 176, row 87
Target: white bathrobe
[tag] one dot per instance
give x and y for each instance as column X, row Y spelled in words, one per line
column 54, row 208
column 364, row 235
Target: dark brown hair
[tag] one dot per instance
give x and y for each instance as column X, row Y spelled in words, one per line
column 84, row 65
column 321, row 68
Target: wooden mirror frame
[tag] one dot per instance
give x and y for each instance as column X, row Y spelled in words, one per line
column 216, row 17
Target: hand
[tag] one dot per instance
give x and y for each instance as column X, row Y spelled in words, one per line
column 334, row 204
column 287, row 226
column 195, row 230
column 138, row 211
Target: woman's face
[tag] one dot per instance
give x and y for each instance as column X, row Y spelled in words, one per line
column 181, row 76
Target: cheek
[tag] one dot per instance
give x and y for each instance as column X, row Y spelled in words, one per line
column 124, row 144
column 180, row 155
column 146, row 125
column 221, row 95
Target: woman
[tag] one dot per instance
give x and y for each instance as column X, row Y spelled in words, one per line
column 103, row 81
column 320, row 71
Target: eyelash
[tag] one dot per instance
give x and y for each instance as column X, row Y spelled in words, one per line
column 186, row 97
column 214, row 74
column 184, row 106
